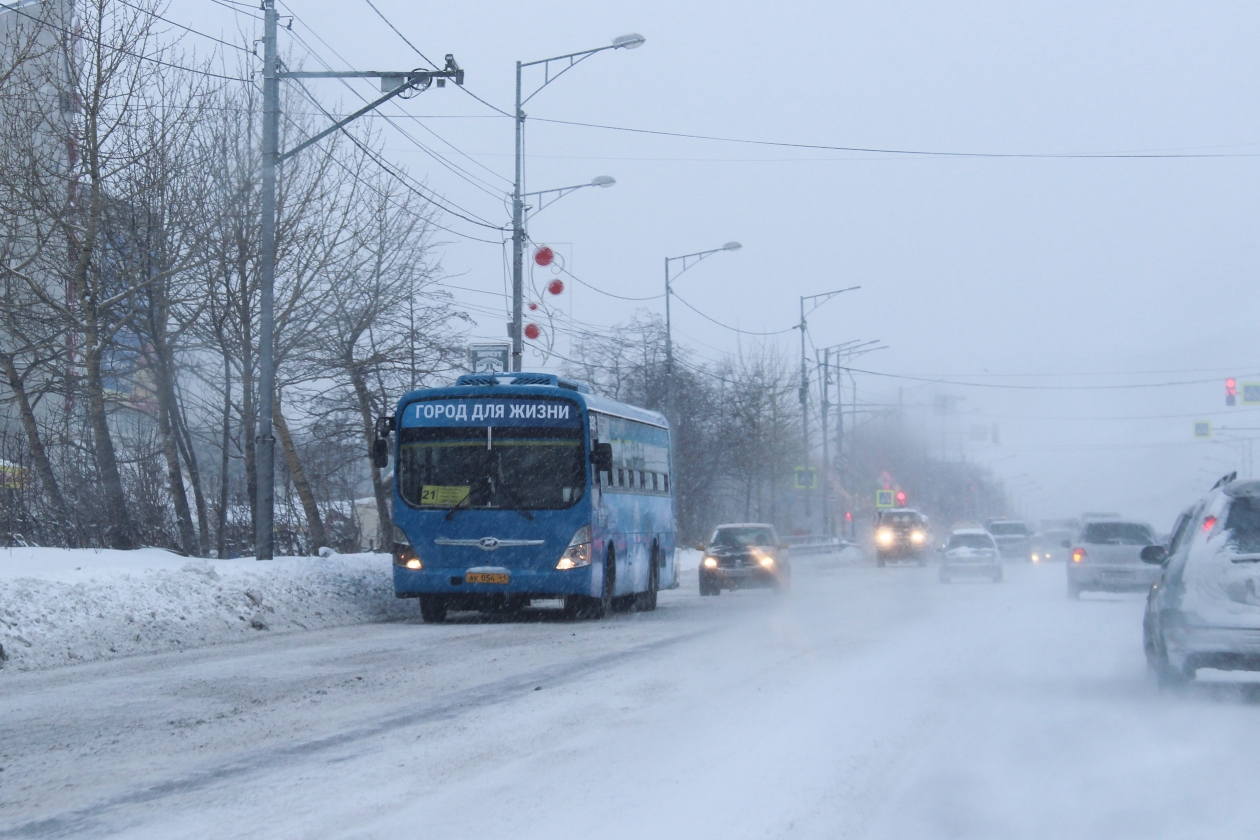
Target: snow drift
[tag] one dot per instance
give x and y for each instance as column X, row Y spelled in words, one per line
column 60, row 606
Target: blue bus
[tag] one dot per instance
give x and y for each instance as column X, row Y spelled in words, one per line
column 516, row 487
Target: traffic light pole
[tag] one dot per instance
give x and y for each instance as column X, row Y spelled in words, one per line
column 419, row 80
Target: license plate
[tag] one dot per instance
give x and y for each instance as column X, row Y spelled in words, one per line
column 487, row 577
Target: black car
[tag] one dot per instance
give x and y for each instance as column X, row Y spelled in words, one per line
column 901, row 534
column 744, row 555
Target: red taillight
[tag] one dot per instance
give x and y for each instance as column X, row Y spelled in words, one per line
column 1208, row 523
column 1078, row 554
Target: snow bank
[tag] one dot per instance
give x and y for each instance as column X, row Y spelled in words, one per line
column 59, row 606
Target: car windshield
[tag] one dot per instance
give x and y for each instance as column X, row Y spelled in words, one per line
column 900, row 519
column 1008, row 529
column 1244, row 521
column 491, row 467
column 743, row 537
column 969, row 541
column 1117, row 533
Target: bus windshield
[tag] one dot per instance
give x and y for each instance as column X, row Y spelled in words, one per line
column 518, row 467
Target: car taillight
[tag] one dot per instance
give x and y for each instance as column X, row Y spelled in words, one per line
column 1208, row 523
column 1078, row 554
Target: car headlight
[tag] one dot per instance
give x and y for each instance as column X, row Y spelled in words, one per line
column 404, row 554
column 766, row 562
column 710, row 562
column 884, row 536
column 917, row 537
column 578, row 552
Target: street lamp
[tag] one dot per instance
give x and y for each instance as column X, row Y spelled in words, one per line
column 561, row 192
column 669, row 338
column 622, row 42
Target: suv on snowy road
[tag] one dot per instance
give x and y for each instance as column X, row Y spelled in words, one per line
column 901, row 534
column 1013, row 538
column 1203, row 611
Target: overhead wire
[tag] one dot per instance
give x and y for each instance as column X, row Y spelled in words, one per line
column 900, row 152
column 727, row 326
column 1009, row 386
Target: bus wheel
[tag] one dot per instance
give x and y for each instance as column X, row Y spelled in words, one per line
column 603, row 607
column 433, row 609
column 646, row 601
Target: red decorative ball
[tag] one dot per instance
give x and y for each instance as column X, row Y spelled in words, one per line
column 544, row 256
column 533, row 306
column 555, row 286
column 532, row 332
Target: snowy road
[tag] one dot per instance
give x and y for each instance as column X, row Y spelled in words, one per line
column 870, row 703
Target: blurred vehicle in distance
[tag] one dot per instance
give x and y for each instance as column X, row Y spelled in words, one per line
column 1107, row 557
column 901, row 534
column 1013, row 538
column 745, row 555
column 1204, row 609
column 1047, row 543
column 971, row 551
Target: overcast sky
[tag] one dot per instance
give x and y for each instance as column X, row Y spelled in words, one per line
column 1081, row 274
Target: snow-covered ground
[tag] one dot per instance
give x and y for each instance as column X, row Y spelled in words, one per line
column 59, row 606
column 869, row 703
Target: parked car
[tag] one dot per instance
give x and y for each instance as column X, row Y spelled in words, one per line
column 1107, row 557
column 1013, row 538
column 901, row 534
column 1204, row 609
column 971, row 551
column 745, row 555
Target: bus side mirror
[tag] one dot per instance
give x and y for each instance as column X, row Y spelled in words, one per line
column 380, row 442
column 602, row 458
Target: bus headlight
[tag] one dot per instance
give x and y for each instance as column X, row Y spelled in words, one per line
column 917, row 537
column 579, row 551
column 404, row 554
column 884, row 536
column 710, row 563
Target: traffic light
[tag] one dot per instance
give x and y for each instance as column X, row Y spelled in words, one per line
column 1231, row 391
column 901, row 497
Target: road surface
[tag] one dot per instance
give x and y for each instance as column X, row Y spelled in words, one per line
column 868, row 703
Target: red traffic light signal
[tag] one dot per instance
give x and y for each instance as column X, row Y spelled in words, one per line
column 1231, row 391
column 901, row 497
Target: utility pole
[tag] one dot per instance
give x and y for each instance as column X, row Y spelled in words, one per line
column 394, row 84
column 815, row 302
column 264, row 532
column 826, row 460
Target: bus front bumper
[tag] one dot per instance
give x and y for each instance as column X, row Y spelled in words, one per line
column 526, row 583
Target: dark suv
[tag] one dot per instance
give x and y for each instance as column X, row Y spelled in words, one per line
column 901, row 534
column 741, row 555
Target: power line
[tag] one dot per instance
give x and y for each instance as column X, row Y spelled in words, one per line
column 904, row 152
column 1129, row 386
column 121, row 51
column 454, row 168
column 187, row 28
column 727, row 326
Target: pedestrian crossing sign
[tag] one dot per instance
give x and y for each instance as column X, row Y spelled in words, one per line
column 1250, row 393
column 1202, row 429
column 884, row 499
column 806, row 478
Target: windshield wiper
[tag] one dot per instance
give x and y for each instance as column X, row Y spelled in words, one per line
column 518, row 506
column 451, row 513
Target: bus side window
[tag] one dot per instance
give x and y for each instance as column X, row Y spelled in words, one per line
column 654, row 482
column 621, row 477
column 665, row 476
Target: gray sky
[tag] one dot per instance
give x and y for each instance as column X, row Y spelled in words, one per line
column 1012, row 272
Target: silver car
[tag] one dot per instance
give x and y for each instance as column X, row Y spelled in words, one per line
column 1204, row 611
column 1107, row 557
column 971, row 552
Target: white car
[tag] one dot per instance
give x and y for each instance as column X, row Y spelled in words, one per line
column 1107, row 556
column 1204, row 611
column 971, row 551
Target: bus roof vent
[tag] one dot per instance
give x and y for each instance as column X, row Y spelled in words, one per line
column 547, row 379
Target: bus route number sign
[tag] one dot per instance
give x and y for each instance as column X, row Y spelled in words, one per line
column 884, row 499
column 442, row 496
